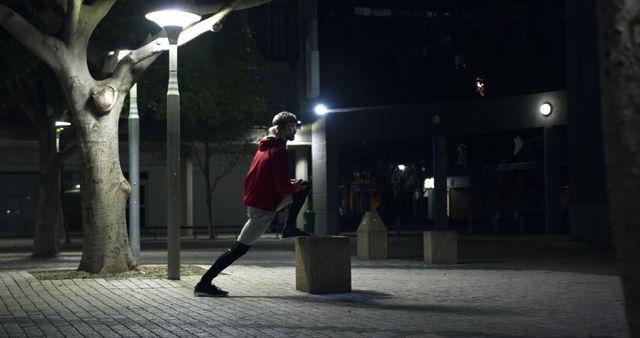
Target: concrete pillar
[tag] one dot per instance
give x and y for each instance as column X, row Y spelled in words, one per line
column 551, row 180
column 587, row 193
column 302, row 171
column 440, row 247
column 440, row 182
column 372, row 237
column 324, row 168
column 323, row 264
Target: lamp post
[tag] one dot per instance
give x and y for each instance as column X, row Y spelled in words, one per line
column 134, row 166
column 134, row 172
column 173, row 21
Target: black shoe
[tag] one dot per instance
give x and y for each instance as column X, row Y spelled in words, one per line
column 294, row 232
column 208, row 291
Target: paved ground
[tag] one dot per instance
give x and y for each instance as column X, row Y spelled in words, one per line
column 502, row 288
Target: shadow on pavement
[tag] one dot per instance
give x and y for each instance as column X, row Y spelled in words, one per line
column 372, row 300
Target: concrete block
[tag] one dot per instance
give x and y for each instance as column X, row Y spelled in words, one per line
column 440, row 247
column 323, row 264
column 372, row 237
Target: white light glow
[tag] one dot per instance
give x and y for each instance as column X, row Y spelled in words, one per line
column 402, row 167
column 173, row 18
column 429, row 183
column 321, row 109
column 545, row 109
column 77, row 186
column 62, row 124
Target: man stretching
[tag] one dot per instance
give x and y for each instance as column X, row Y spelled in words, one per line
column 267, row 190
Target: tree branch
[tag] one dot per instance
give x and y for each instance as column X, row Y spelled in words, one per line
column 160, row 43
column 157, row 46
column 94, row 13
column 140, row 67
column 46, row 48
column 229, row 166
column 128, row 65
column 205, row 25
column 140, row 59
column 214, row 8
column 71, row 21
column 194, row 150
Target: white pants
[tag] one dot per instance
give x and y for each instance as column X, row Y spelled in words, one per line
column 258, row 222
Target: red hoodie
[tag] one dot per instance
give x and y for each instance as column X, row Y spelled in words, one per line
column 267, row 181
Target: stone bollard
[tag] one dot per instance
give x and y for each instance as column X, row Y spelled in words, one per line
column 440, row 247
column 323, row 264
column 372, row 237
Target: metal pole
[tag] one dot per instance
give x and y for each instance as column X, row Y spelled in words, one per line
column 173, row 167
column 134, row 172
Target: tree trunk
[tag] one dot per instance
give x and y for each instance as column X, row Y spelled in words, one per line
column 104, row 192
column 212, row 227
column 49, row 216
column 620, row 42
column 46, row 239
column 207, row 179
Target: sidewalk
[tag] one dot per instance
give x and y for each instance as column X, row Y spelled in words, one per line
column 502, row 288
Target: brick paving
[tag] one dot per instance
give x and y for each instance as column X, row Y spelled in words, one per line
column 390, row 298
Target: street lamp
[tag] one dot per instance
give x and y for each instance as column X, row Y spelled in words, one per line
column 173, row 21
column 134, row 165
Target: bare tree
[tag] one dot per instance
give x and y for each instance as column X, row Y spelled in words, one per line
column 95, row 104
column 620, row 83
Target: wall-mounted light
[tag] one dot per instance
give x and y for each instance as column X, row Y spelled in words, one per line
column 320, row 109
column 545, row 109
column 429, row 183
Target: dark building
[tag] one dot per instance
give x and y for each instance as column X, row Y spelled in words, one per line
column 387, row 68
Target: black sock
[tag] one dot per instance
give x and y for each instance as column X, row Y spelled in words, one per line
column 237, row 250
column 294, row 209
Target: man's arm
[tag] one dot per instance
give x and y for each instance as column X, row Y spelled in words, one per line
column 280, row 169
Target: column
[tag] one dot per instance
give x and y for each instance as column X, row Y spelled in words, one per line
column 587, row 199
column 324, row 179
column 302, row 171
column 440, row 182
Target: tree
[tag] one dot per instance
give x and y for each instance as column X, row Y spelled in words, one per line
column 35, row 92
column 40, row 98
column 223, row 100
column 61, row 40
column 620, row 83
